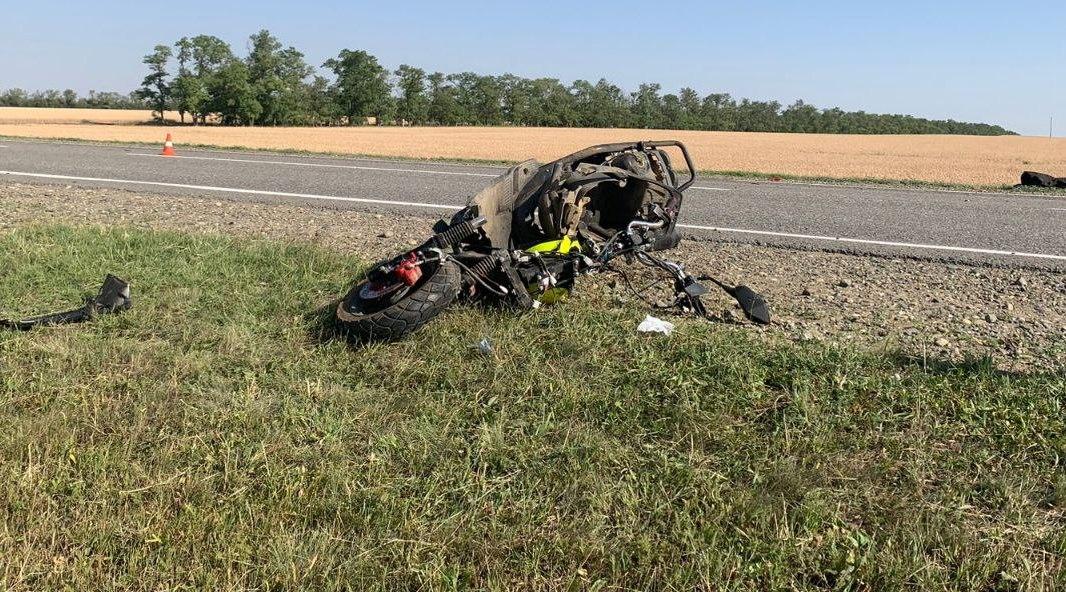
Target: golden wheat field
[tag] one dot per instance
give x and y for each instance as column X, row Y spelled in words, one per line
column 947, row 159
column 29, row 115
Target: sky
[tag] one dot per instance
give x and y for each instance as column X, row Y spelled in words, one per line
column 970, row 61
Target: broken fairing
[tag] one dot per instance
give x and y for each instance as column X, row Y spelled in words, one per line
column 526, row 238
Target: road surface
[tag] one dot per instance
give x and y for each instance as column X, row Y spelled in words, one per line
column 992, row 228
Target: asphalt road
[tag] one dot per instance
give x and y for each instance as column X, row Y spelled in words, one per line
column 992, row 228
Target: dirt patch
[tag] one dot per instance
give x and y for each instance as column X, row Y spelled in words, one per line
column 922, row 309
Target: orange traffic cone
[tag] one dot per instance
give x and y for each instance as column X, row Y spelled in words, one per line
column 168, row 147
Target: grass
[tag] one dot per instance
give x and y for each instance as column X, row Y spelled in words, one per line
column 953, row 160
column 215, row 437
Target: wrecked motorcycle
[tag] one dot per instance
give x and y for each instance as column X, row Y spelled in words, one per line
column 525, row 239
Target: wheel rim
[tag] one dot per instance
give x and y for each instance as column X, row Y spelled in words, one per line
column 368, row 298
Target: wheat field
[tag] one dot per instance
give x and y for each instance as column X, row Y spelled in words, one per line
column 970, row 160
column 31, row 115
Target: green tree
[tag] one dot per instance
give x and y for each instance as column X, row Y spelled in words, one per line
column 154, row 87
column 800, row 117
column 319, row 103
column 15, row 97
column 209, row 54
column 487, row 109
column 758, row 116
column 413, row 104
column 463, row 84
column 206, row 55
column 362, row 85
column 515, row 99
column 718, row 112
column 232, row 95
column 187, row 92
column 551, row 103
column 586, row 113
column 443, row 104
column 599, row 105
column 190, row 96
column 648, row 106
column 277, row 76
column 673, row 116
column 690, row 109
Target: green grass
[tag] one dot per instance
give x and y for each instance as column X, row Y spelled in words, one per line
column 213, row 437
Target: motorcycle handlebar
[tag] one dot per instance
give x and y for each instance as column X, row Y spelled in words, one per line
column 684, row 152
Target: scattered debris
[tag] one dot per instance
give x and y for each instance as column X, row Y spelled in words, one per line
column 114, row 296
column 1031, row 179
column 652, row 324
column 484, row 347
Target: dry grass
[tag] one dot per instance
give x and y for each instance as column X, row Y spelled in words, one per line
column 944, row 159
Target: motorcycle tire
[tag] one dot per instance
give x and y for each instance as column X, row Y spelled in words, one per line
column 366, row 320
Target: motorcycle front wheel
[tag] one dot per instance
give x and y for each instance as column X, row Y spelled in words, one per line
column 384, row 313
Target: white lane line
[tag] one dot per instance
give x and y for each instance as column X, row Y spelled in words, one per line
column 348, row 166
column 321, row 165
column 863, row 241
column 454, row 207
column 236, row 190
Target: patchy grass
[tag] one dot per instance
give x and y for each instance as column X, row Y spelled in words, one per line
column 212, row 437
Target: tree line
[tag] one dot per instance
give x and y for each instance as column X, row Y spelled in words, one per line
column 17, row 97
column 204, row 81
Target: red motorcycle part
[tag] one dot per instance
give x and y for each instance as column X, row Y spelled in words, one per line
column 408, row 271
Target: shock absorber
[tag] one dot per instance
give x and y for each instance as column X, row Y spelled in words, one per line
column 456, row 233
column 484, row 267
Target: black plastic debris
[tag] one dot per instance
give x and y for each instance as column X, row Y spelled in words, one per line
column 114, row 297
column 1031, row 179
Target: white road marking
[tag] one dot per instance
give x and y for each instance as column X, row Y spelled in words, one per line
column 321, row 165
column 863, row 241
column 348, row 166
column 235, row 190
column 454, row 207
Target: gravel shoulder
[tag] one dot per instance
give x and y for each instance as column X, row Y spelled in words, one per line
column 931, row 311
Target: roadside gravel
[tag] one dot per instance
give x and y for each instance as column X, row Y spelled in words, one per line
column 929, row 310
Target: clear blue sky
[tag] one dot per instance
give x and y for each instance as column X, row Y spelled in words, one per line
column 974, row 61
